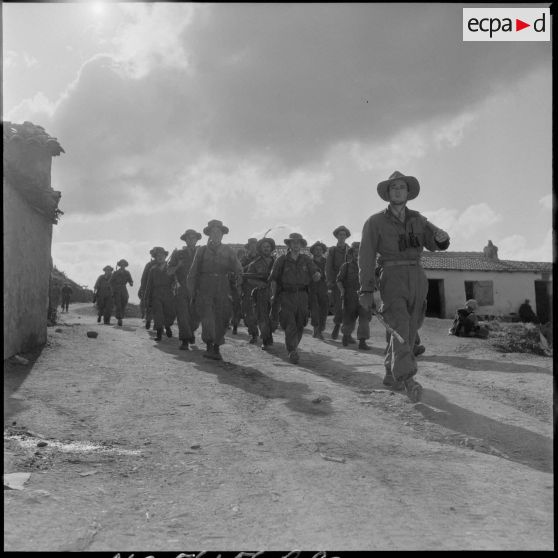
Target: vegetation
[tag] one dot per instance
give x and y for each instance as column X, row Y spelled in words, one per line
column 521, row 338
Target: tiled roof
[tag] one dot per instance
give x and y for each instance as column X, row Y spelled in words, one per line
column 31, row 134
column 477, row 261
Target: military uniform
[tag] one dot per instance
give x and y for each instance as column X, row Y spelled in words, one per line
column 293, row 278
column 319, row 299
column 246, row 302
column 145, row 308
column 102, row 293
column 348, row 277
column 180, row 264
column 260, row 295
column 66, row 294
column 335, row 258
column 402, row 282
column 160, row 298
column 208, row 279
column 118, row 282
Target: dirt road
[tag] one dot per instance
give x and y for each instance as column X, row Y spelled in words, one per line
column 153, row 448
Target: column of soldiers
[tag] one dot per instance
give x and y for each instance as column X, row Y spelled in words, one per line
column 215, row 286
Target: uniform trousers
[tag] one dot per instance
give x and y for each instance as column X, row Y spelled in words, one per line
column 351, row 312
column 162, row 309
column 104, row 306
column 120, row 301
column 319, row 304
column 293, row 316
column 186, row 315
column 213, row 305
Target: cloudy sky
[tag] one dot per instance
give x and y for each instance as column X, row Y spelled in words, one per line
column 281, row 116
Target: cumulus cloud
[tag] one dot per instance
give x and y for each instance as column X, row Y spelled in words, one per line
column 546, row 201
column 516, row 247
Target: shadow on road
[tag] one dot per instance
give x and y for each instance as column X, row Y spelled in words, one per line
column 249, row 379
column 477, row 364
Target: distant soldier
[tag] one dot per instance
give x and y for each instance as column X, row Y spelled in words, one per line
column 158, row 294
column 349, row 287
column 319, row 299
column 118, row 281
column 145, row 311
column 290, row 277
column 102, row 295
column 526, row 314
column 466, row 322
column 256, row 281
column 179, row 265
column 336, row 256
column 209, row 283
column 247, row 307
column 235, row 295
column 66, row 295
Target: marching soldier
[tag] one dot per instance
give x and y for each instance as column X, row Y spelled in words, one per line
column 347, row 282
column 256, row 280
column 208, row 281
column 66, row 295
column 398, row 235
column 290, row 277
column 336, row 256
column 179, row 266
column 159, row 294
column 102, row 295
column 319, row 299
column 247, row 307
column 120, row 293
column 145, row 311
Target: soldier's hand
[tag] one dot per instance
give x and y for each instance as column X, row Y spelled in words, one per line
column 377, row 300
column 441, row 236
column 366, row 300
column 316, row 276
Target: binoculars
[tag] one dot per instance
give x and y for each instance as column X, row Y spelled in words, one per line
column 408, row 241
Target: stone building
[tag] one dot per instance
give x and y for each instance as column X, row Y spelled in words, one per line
column 30, row 208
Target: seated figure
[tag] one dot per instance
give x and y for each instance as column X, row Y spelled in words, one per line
column 466, row 322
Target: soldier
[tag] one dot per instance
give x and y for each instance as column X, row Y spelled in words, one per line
column 120, row 293
column 66, row 294
column 145, row 311
column 335, row 258
column 256, row 280
column 102, row 295
column 179, row 266
column 318, row 292
column 347, row 282
column 158, row 294
column 399, row 236
column 235, row 295
column 208, row 281
column 246, row 303
column 290, row 276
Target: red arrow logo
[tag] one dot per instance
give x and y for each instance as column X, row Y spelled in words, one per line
column 519, row 25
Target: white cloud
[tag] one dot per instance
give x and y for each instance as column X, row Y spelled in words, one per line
column 516, row 247
column 38, row 109
column 546, row 201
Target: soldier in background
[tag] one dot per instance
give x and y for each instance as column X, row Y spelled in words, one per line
column 349, row 287
column 66, row 292
column 336, row 256
column 208, row 281
column 145, row 311
column 102, row 295
column 247, row 307
column 256, row 280
column 118, row 280
column 179, row 265
column 159, row 294
column 318, row 292
column 235, row 295
column 290, row 277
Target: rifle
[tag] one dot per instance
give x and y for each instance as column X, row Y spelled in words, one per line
column 389, row 329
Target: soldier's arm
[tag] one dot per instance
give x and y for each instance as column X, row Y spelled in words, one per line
column 367, row 257
column 192, row 277
column 434, row 237
column 329, row 273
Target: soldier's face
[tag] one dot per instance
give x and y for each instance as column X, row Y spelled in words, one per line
column 398, row 191
column 191, row 240
column 318, row 252
column 296, row 245
column 160, row 257
column 266, row 249
column 341, row 237
column 215, row 235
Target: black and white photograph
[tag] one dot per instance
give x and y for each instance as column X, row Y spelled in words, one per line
column 278, row 277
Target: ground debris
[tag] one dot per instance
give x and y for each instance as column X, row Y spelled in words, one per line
column 332, row 458
column 15, row 481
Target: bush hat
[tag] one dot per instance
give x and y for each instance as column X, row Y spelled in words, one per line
column 472, row 304
column 413, row 186
column 262, row 241
column 316, row 244
column 122, row 263
column 190, row 232
column 250, row 242
column 215, row 223
column 341, row 228
column 108, row 268
column 159, row 250
column 295, row 236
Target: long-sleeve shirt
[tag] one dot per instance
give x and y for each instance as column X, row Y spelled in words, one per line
column 335, row 258
column 384, row 235
column 348, row 276
column 261, row 267
column 291, row 273
column 145, row 274
column 102, row 287
column 119, row 279
column 214, row 260
column 181, row 262
column 159, row 283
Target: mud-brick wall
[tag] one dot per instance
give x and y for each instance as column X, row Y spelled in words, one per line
column 27, row 265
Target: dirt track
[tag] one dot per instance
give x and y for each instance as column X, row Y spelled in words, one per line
column 180, row 453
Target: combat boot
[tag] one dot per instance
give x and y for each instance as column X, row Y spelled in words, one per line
column 320, row 334
column 159, row 335
column 419, row 349
column 234, row 330
column 208, row 350
column 315, row 333
column 148, row 324
column 119, row 322
column 391, row 382
column 345, row 340
column 168, row 331
column 99, row 319
column 351, row 340
column 293, row 357
column 216, row 353
column 253, row 340
column 335, row 332
column 413, row 389
column 363, row 345
column 184, row 345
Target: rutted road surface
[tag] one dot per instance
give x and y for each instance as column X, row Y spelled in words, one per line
column 148, row 447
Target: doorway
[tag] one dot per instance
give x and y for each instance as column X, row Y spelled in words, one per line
column 435, row 302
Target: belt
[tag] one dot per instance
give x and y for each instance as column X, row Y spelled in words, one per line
column 213, row 274
column 294, row 289
column 390, row 263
